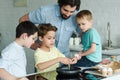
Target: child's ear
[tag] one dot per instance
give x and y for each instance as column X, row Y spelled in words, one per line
column 24, row 36
column 91, row 21
column 40, row 38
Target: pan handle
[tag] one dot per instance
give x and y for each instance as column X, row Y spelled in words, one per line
column 89, row 69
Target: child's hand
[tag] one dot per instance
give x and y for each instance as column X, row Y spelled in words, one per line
column 65, row 60
column 78, row 56
column 74, row 60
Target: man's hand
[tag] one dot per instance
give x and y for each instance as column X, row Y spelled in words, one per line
column 35, row 45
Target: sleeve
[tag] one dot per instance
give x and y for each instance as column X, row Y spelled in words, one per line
column 37, row 16
column 37, row 58
column 94, row 37
column 6, row 60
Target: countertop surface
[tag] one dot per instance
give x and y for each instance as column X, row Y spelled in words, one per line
column 114, row 77
column 111, row 52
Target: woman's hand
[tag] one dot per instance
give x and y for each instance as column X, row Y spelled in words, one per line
column 35, row 45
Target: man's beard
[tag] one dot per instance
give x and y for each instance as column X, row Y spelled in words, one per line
column 64, row 16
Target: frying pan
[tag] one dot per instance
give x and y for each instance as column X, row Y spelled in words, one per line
column 66, row 71
column 73, row 70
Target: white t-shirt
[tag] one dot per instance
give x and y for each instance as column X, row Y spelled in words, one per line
column 13, row 59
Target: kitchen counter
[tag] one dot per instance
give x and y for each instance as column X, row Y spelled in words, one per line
column 113, row 52
column 114, row 77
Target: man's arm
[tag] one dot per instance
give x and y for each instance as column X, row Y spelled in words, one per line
column 24, row 18
column 35, row 45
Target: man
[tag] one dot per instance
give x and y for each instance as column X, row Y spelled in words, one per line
column 62, row 16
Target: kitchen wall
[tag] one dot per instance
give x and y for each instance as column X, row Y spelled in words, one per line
column 104, row 11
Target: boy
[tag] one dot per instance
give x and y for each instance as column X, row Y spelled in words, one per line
column 91, row 54
column 13, row 60
column 47, row 57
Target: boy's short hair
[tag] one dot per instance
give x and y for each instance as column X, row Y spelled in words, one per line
column 44, row 28
column 83, row 14
column 72, row 3
column 26, row 27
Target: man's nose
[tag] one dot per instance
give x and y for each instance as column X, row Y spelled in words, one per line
column 68, row 14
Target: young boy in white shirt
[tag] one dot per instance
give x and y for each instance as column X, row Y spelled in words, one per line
column 13, row 59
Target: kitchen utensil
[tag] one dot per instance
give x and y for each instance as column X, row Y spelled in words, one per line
column 74, row 73
column 73, row 70
column 69, row 66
